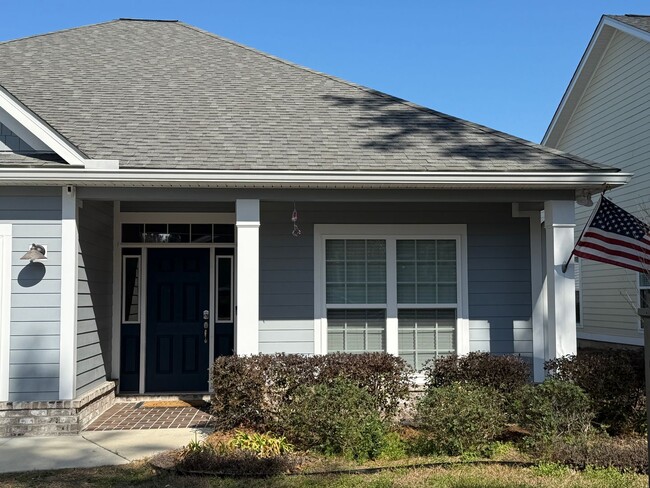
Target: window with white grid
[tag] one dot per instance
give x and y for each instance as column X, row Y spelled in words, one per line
column 411, row 283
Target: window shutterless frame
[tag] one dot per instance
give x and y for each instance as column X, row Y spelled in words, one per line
column 391, row 234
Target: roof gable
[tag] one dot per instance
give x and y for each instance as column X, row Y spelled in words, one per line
column 635, row 25
column 168, row 95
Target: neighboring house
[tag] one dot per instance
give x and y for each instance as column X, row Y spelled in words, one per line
column 605, row 116
column 160, row 165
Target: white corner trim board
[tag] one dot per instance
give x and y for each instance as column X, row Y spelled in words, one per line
column 5, row 308
column 69, row 272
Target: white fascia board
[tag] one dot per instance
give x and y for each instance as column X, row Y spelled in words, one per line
column 40, row 130
column 590, row 59
column 309, row 179
column 628, row 29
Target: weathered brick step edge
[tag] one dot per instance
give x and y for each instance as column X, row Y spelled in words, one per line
column 54, row 418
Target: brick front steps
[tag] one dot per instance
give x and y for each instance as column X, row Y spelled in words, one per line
column 57, row 417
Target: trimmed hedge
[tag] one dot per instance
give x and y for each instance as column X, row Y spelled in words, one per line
column 503, row 373
column 249, row 391
column 615, row 382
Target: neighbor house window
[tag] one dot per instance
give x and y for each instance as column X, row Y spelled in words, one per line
column 578, row 272
column 394, row 294
column 644, row 290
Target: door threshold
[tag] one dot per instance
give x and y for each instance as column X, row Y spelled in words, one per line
column 164, row 397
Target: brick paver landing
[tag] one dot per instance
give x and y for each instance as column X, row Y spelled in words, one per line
column 133, row 416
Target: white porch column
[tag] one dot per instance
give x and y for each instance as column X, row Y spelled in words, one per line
column 559, row 222
column 68, row 331
column 248, row 276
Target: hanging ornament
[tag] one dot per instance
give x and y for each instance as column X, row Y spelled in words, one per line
column 294, row 218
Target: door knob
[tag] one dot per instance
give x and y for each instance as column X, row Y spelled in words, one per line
column 206, row 314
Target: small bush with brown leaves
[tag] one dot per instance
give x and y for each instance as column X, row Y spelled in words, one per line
column 623, row 453
column 249, row 391
column 615, row 383
column 503, row 373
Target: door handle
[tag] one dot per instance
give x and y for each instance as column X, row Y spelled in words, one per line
column 206, row 314
column 206, row 327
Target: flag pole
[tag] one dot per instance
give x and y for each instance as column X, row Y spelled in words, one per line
column 591, row 217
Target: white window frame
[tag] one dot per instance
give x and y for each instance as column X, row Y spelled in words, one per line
column 391, row 233
column 5, row 308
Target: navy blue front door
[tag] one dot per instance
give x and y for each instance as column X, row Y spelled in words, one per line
column 178, row 283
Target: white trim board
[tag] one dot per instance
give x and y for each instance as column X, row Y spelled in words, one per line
column 5, row 308
column 458, row 232
column 69, row 273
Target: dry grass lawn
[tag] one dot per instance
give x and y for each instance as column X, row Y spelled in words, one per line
column 459, row 476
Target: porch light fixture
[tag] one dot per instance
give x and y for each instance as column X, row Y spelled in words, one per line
column 36, row 253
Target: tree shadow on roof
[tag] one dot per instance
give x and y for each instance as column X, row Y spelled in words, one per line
column 390, row 124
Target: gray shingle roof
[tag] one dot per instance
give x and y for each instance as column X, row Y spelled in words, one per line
column 167, row 95
column 639, row 21
column 31, row 160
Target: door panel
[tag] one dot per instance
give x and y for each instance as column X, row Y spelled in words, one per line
column 178, row 285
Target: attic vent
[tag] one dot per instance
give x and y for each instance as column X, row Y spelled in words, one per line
column 11, row 142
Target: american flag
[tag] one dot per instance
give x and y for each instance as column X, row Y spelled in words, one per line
column 617, row 237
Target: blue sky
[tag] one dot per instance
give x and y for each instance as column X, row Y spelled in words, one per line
column 502, row 63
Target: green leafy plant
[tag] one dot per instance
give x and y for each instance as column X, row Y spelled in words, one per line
column 264, row 445
column 503, row 373
column 550, row 411
column 338, row 418
column 459, row 418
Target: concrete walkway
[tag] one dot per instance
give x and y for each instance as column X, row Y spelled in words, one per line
column 90, row 449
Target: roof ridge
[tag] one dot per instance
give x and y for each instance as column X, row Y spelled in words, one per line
column 57, row 31
column 378, row 93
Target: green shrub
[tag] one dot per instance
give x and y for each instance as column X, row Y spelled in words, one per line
column 459, row 418
column 249, row 391
column 503, row 373
column 550, row 410
column 337, row 418
column 615, row 383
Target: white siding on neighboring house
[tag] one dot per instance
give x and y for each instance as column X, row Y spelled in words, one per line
column 611, row 125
